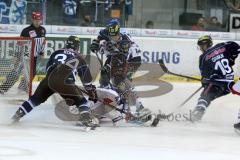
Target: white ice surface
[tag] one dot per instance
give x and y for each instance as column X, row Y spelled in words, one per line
column 40, row 135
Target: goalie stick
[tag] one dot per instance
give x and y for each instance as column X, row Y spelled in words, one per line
column 165, row 69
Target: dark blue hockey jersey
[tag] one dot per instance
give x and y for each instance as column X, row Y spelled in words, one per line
column 216, row 62
column 77, row 63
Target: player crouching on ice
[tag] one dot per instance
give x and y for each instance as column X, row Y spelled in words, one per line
column 61, row 69
column 215, row 64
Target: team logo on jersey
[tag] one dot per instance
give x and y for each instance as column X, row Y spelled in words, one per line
column 32, row 33
column 215, row 52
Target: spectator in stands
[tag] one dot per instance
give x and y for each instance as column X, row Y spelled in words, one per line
column 233, row 4
column 200, row 25
column 149, row 24
column 128, row 9
column 214, row 24
column 87, row 21
column 70, row 11
column 88, row 10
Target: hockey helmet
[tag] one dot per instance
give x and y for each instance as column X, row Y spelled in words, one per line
column 206, row 39
column 36, row 16
column 73, row 42
column 113, row 27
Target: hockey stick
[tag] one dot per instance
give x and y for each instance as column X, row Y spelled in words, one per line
column 165, row 69
column 99, row 59
column 183, row 103
column 164, row 116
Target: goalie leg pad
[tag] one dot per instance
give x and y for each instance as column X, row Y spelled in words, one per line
column 65, row 112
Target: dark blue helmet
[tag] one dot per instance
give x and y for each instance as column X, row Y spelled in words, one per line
column 73, row 42
column 113, row 27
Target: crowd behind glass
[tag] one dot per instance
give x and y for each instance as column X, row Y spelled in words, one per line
column 197, row 15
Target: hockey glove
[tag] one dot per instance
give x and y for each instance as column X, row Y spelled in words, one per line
column 111, row 48
column 94, row 47
column 92, row 93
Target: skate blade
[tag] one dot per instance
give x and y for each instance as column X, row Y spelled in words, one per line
column 237, row 131
column 155, row 122
column 87, row 128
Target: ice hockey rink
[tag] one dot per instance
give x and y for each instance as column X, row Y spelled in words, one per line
column 41, row 135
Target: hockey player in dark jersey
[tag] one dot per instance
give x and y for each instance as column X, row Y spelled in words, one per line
column 215, row 64
column 61, row 69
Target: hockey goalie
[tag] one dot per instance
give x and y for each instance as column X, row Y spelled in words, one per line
column 110, row 106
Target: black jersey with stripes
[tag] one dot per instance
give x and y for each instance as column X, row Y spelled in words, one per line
column 216, row 62
column 33, row 32
column 70, row 58
column 39, row 38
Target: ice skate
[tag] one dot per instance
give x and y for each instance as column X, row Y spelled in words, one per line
column 237, row 128
column 197, row 114
column 17, row 116
column 88, row 121
column 143, row 116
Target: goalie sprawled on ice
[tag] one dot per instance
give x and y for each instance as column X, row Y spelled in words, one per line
column 109, row 107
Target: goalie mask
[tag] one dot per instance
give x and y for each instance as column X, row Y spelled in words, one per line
column 73, row 42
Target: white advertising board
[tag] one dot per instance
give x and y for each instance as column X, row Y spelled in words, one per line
column 164, row 33
column 180, row 54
